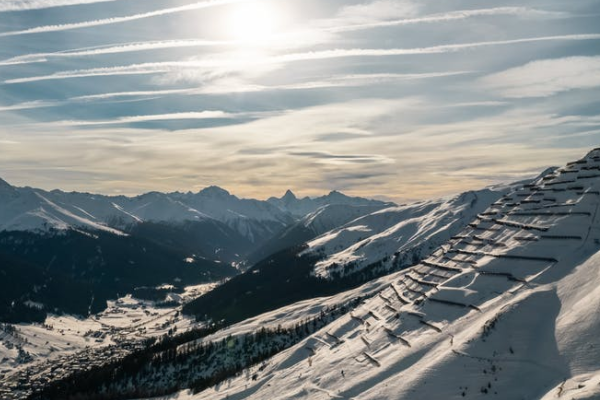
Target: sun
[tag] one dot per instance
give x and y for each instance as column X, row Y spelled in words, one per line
column 253, row 22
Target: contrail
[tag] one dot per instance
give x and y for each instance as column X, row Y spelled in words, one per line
column 150, row 68
column 116, row 20
column 115, row 49
column 22, row 5
column 449, row 16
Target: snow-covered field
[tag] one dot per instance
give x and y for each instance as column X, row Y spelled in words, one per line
column 126, row 318
column 508, row 308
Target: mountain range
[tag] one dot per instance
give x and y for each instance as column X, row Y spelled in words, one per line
column 79, row 239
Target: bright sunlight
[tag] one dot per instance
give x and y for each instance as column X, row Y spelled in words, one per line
column 253, row 22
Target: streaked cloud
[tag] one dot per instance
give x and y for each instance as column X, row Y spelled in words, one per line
column 118, row 20
column 198, row 115
column 231, row 64
column 543, row 78
column 346, row 24
column 22, row 5
column 115, row 49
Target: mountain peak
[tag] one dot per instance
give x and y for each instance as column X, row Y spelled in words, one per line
column 289, row 196
column 335, row 193
column 214, row 191
column 4, row 184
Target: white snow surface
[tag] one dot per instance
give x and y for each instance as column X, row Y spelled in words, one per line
column 124, row 318
column 507, row 309
column 416, row 228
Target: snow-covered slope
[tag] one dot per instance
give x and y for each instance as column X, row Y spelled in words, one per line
column 35, row 209
column 397, row 236
column 508, row 308
column 312, row 225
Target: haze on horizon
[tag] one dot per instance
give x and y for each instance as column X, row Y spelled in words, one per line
column 404, row 99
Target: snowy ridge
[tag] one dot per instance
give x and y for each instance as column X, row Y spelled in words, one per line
column 507, row 308
column 301, row 207
column 32, row 209
column 397, row 234
column 38, row 210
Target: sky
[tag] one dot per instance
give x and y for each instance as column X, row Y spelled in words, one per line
column 397, row 99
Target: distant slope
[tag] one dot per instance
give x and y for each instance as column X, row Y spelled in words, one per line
column 310, row 226
column 397, row 236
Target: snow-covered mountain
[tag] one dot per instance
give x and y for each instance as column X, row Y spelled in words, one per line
column 39, row 210
column 362, row 249
column 324, row 219
column 306, row 205
column 35, row 209
column 507, row 308
column 397, row 236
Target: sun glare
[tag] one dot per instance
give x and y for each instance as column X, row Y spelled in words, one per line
column 253, row 22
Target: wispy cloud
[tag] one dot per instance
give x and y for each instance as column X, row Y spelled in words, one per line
column 210, row 114
column 342, row 24
column 378, row 10
column 333, row 26
column 543, row 78
column 135, row 69
column 233, row 64
column 29, row 105
column 116, row 49
column 117, row 20
column 339, row 53
column 332, row 158
column 225, row 86
column 22, row 5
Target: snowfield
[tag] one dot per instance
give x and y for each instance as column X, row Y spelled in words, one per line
column 507, row 308
column 397, row 234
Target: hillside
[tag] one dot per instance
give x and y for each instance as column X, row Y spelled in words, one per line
column 388, row 240
column 507, row 309
column 313, row 224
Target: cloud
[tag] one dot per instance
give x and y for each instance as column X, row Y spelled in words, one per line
column 346, row 25
column 210, row 114
column 447, row 48
column 135, row 69
column 22, row 5
column 29, row 105
column 115, row 49
column 349, row 20
column 544, row 78
column 421, row 160
column 378, row 10
column 117, row 20
column 332, row 158
column 211, row 65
